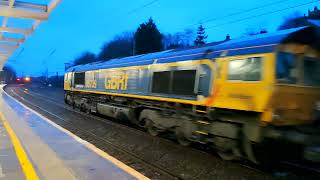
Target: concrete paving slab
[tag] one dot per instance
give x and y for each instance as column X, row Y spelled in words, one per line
column 9, row 164
column 55, row 152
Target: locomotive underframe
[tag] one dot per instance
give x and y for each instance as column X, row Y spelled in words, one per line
column 234, row 134
column 231, row 133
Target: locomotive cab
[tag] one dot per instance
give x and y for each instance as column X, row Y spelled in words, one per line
column 297, row 88
column 295, row 102
column 297, row 79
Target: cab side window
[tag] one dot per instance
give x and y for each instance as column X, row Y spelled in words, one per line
column 286, row 68
column 311, row 71
column 249, row 69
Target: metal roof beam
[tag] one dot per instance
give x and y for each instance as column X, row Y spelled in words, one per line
column 7, row 52
column 2, row 62
column 5, row 19
column 16, row 30
column 14, row 40
column 6, row 46
column 25, row 5
column 22, row 13
column 53, row 4
column 20, row 9
column 4, row 56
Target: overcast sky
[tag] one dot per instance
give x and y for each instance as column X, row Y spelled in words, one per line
column 84, row 25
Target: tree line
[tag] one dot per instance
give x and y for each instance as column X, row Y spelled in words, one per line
column 146, row 39
column 296, row 20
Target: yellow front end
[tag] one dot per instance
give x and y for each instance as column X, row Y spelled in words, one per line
column 296, row 94
column 253, row 83
column 67, row 81
column 280, row 90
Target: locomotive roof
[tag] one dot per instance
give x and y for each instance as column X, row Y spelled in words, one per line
column 262, row 43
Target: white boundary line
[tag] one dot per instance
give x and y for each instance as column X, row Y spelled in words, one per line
column 90, row 146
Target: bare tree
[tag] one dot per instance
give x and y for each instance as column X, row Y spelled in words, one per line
column 294, row 20
column 179, row 39
column 315, row 14
column 9, row 74
column 121, row 46
column 85, row 58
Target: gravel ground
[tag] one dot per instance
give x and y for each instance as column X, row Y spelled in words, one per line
column 156, row 157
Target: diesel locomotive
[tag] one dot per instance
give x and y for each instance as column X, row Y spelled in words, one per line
column 254, row 98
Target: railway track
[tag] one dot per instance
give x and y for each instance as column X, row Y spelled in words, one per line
column 131, row 159
column 315, row 171
column 136, row 130
column 301, row 170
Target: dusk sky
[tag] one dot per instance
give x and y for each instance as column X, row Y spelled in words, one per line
column 85, row 25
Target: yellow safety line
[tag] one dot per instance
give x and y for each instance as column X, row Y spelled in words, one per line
column 25, row 163
column 90, row 146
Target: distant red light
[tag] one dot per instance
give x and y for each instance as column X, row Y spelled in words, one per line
column 18, row 79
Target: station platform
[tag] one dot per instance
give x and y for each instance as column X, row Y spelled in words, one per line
column 33, row 147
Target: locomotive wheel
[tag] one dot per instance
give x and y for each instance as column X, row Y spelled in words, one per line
column 87, row 110
column 73, row 104
column 82, row 108
column 152, row 130
column 65, row 99
column 182, row 140
column 68, row 100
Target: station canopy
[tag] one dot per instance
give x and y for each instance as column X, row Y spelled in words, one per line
column 18, row 20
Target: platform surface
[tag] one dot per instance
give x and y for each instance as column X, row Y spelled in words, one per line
column 51, row 151
column 9, row 165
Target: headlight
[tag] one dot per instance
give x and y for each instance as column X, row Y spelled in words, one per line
column 27, row 79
